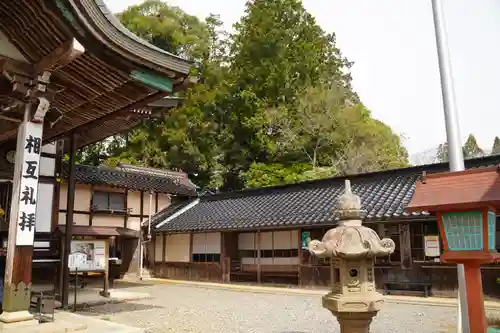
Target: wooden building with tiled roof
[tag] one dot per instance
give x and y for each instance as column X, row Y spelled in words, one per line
column 73, row 75
column 260, row 234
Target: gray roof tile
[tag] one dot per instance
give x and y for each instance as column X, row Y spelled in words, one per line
column 132, row 180
column 384, row 196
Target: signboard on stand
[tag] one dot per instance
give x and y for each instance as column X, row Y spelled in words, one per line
column 88, row 256
column 32, row 139
column 432, row 248
column 305, row 238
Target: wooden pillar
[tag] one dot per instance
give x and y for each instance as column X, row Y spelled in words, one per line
column 69, row 220
column 223, row 256
column 405, row 245
column 475, row 298
column 105, row 289
column 156, row 202
column 91, row 204
column 163, row 248
column 17, row 285
column 301, row 258
column 125, row 222
column 258, row 256
column 136, row 257
column 112, row 254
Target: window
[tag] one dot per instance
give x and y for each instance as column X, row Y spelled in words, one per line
column 388, row 230
column 205, row 257
column 291, row 253
column 108, row 201
column 206, row 247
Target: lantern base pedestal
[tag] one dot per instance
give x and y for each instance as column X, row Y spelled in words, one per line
column 354, row 322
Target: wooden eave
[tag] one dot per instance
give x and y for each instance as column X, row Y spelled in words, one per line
column 93, row 94
column 454, row 191
column 99, row 30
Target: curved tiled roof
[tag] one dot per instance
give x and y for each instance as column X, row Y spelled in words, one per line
column 133, row 180
column 384, row 196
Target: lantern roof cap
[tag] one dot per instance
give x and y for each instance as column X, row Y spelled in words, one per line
column 351, row 240
column 457, row 191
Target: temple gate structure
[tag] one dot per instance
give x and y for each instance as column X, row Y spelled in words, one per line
column 71, row 75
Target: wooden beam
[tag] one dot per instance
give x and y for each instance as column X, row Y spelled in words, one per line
column 14, row 120
column 16, row 66
column 122, row 112
column 59, row 57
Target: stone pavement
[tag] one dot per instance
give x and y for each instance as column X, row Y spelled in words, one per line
column 429, row 301
column 90, row 297
column 69, row 322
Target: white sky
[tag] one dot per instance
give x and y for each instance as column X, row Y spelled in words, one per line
column 396, row 72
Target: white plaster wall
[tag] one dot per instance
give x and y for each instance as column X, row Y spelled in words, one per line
column 206, row 242
column 163, row 201
column 266, row 240
column 134, row 223
column 134, row 202
column 158, row 247
column 246, row 241
column 177, row 248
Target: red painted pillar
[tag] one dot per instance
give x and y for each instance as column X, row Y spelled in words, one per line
column 475, row 299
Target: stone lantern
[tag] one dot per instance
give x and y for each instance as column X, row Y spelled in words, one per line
column 352, row 249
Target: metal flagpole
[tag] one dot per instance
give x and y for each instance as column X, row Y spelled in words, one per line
column 455, row 154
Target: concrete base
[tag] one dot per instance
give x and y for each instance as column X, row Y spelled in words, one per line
column 15, row 317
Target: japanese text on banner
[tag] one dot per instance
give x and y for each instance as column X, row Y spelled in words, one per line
column 29, row 184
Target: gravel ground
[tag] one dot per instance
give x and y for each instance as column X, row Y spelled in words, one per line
column 182, row 309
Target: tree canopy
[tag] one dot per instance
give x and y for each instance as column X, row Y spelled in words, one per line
column 496, row 146
column 274, row 104
column 470, row 149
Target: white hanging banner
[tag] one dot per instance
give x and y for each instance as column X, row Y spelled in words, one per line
column 29, row 183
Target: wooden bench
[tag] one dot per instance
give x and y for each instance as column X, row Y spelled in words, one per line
column 423, row 288
column 271, row 270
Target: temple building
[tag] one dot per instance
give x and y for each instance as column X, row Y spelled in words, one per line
column 261, row 235
column 71, row 75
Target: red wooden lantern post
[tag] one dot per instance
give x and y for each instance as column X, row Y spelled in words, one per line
column 465, row 204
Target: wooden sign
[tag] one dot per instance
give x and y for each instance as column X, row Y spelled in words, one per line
column 29, row 183
column 431, row 244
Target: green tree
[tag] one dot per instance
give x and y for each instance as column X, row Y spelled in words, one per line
column 442, row 152
column 327, row 131
column 279, row 75
column 471, row 149
column 496, row 146
column 185, row 138
column 168, row 27
column 276, row 52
